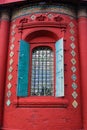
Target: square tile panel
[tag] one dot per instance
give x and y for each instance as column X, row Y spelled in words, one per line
column 12, row 47
column 11, row 54
column 9, row 94
column 73, row 68
column 71, row 24
column 8, row 102
column 72, row 45
column 72, row 38
column 73, row 61
column 10, row 77
column 74, row 94
column 33, row 17
column 74, row 77
column 75, row 104
column 14, row 26
column 10, row 69
column 72, row 31
column 73, row 53
column 9, row 85
column 11, row 61
column 13, row 39
column 50, row 16
column 13, row 33
column 74, row 86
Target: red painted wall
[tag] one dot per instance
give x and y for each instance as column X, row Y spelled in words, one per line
column 82, row 22
column 30, row 113
column 4, row 29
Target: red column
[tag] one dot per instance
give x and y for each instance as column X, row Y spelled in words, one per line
column 4, row 31
column 82, row 23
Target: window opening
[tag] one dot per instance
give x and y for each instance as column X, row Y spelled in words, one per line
column 42, row 80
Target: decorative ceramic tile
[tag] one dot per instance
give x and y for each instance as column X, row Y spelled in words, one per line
column 74, row 94
column 10, row 69
column 13, row 33
column 13, row 39
column 11, row 54
column 11, row 61
column 13, row 26
column 71, row 24
column 9, row 85
column 73, row 61
column 75, row 104
column 10, row 77
column 72, row 31
column 74, row 77
column 72, row 45
column 73, row 53
column 74, row 86
column 12, row 47
column 73, row 68
column 8, row 102
column 50, row 16
column 33, row 17
column 72, row 38
column 9, row 94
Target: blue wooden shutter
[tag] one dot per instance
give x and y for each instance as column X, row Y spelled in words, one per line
column 23, row 69
column 59, row 68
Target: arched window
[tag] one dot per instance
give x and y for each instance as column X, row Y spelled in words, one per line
column 42, row 79
column 44, row 60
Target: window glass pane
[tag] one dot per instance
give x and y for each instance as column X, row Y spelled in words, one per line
column 42, row 72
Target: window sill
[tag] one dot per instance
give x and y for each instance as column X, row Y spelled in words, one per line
column 46, row 102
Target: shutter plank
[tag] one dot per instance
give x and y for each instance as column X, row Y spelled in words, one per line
column 23, row 69
column 59, row 68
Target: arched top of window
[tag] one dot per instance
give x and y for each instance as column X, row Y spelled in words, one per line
column 46, row 34
column 41, row 48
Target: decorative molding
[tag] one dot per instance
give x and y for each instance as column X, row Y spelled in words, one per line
column 59, row 9
column 42, row 20
column 58, row 19
column 40, row 104
column 24, row 20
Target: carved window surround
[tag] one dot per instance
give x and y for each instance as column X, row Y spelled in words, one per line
column 42, row 21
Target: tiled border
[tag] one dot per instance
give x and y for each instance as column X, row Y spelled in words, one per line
column 73, row 67
column 11, row 62
column 61, row 9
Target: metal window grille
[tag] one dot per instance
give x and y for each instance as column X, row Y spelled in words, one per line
column 42, row 80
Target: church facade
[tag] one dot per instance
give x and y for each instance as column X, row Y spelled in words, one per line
column 43, row 66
